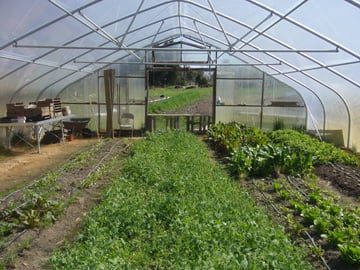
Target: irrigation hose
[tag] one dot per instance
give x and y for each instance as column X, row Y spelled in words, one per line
column 6, row 245
column 290, row 181
column 281, row 214
column 12, row 240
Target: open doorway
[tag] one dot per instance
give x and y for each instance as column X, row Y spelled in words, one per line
column 180, row 97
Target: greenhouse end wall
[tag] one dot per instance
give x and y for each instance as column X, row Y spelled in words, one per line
column 249, row 96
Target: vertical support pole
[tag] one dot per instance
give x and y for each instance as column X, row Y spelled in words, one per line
column 214, row 93
column 98, row 106
column 109, row 76
column 262, row 100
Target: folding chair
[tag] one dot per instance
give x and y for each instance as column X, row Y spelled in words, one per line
column 127, row 123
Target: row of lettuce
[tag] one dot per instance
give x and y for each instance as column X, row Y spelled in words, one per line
column 252, row 153
column 40, row 203
column 172, row 207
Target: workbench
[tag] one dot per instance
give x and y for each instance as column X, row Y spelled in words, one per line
column 37, row 128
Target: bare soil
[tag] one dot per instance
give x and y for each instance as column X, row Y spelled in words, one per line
column 24, row 166
column 345, row 179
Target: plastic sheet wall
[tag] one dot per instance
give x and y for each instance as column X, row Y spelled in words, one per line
column 245, row 94
column 86, row 98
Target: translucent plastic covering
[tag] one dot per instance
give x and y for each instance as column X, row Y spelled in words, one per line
column 302, row 51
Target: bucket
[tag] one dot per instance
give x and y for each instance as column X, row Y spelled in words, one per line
column 21, row 119
column 66, row 110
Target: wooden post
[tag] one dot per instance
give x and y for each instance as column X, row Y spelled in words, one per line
column 109, row 79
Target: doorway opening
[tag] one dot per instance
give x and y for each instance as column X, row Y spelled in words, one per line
column 180, row 97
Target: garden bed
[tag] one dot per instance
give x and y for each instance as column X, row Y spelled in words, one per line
column 35, row 255
column 63, row 197
column 308, row 185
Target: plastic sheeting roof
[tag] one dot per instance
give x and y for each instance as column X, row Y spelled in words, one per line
column 309, row 44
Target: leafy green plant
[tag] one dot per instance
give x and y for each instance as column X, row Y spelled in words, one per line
column 6, row 228
column 350, row 252
column 173, row 208
column 30, row 218
column 315, row 197
column 284, row 194
column 321, row 226
column 310, row 214
column 277, row 185
column 281, row 151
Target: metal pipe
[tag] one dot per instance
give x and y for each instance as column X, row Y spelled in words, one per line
column 15, row 45
column 173, row 63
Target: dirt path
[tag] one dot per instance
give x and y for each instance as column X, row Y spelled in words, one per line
column 26, row 165
column 43, row 241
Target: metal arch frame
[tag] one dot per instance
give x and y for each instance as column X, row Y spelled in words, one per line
column 310, row 58
column 179, row 16
column 85, row 66
column 45, row 75
column 22, row 36
column 274, row 23
column 68, row 13
column 131, row 22
column 219, row 22
column 124, row 56
column 46, row 25
column 168, row 17
column 304, row 28
column 48, row 72
column 317, row 67
column 36, row 62
column 250, row 31
column 196, row 4
column 41, row 56
column 137, row 29
column 354, row 3
column 90, row 24
column 132, row 15
column 281, row 17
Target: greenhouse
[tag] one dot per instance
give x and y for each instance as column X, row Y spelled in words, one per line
column 179, row 134
column 296, row 62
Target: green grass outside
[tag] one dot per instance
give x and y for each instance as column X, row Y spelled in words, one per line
column 174, row 208
column 178, row 98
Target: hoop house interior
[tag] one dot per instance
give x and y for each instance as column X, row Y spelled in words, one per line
column 295, row 60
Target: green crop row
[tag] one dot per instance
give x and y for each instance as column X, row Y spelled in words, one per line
column 174, row 208
column 251, row 151
column 256, row 153
column 40, row 203
column 319, row 213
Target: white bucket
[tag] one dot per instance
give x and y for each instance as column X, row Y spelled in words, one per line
column 21, row 119
column 66, row 110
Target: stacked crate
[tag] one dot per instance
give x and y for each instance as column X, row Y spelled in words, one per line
column 36, row 111
column 48, row 104
column 15, row 109
column 57, row 107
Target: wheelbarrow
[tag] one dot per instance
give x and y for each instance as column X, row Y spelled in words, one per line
column 76, row 126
